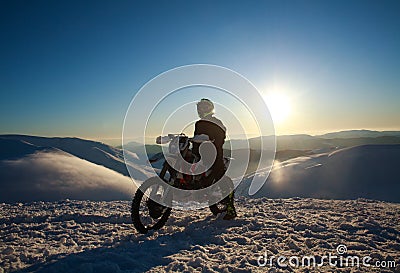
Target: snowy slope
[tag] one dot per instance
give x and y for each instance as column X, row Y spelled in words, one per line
column 83, row 236
column 367, row 171
column 92, row 151
column 53, row 175
column 47, row 169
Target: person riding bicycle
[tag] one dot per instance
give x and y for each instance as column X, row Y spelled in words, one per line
column 216, row 131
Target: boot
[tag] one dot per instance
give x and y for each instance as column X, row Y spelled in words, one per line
column 230, row 209
column 215, row 210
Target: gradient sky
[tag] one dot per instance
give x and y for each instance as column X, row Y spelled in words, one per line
column 71, row 68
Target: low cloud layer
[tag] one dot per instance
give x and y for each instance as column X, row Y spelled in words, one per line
column 54, row 175
column 368, row 171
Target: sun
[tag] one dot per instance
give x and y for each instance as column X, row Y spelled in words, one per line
column 279, row 106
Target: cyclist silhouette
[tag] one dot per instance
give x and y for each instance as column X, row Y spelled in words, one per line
column 216, row 131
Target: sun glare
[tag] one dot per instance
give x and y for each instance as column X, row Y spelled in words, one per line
column 278, row 105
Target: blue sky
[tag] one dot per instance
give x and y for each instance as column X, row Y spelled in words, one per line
column 70, row 68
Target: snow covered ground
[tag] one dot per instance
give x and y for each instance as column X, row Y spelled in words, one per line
column 90, row 236
column 98, row 236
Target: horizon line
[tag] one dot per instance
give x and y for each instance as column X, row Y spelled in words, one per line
column 234, row 137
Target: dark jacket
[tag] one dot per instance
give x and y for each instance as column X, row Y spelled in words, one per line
column 216, row 131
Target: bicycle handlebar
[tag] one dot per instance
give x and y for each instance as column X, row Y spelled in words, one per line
column 169, row 137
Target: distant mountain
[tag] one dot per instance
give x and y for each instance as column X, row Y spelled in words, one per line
column 131, row 145
column 312, row 143
column 349, row 142
column 359, row 134
column 299, row 142
column 142, row 153
column 254, row 157
column 286, row 142
column 367, row 171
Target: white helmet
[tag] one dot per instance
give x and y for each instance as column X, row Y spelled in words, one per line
column 205, row 107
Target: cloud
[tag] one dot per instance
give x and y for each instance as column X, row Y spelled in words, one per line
column 367, row 171
column 54, row 175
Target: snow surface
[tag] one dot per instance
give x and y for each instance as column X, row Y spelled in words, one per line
column 98, row 236
column 87, row 236
column 366, row 171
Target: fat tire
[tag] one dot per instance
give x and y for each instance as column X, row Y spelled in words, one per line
column 135, row 210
